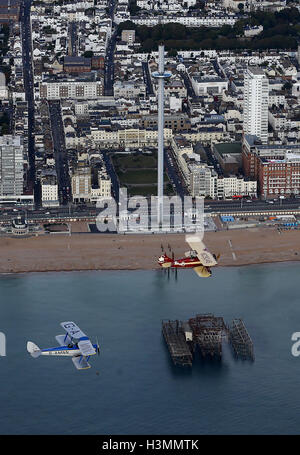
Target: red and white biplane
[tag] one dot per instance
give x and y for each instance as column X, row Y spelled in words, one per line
column 200, row 259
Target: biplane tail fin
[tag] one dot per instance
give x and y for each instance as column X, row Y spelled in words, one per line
column 33, row 349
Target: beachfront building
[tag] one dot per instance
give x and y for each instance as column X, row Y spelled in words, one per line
column 276, row 167
column 19, row 226
column 3, row 87
column 49, row 189
column 11, row 165
column 227, row 187
column 205, row 182
column 81, row 183
column 229, row 156
column 90, row 182
column 256, row 102
column 202, row 179
column 102, row 189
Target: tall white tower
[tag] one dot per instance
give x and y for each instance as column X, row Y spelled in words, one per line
column 256, row 102
column 161, row 75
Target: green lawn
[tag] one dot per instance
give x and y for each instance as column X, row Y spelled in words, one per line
column 138, row 173
column 134, row 162
column 142, row 176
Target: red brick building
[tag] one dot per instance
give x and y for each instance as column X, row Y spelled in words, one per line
column 9, row 10
column 98, row 62
column 77, row 64
column 276, row 168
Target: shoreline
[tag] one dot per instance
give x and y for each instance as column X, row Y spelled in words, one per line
column 29, row 272
column 100, row 252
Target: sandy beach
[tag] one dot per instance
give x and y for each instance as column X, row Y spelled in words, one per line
column 84, row 251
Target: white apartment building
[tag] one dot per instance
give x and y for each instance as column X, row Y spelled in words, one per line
column 213, row 85
column 81, row 184
column 104, row 187
column 256, row 101
column 276, row 97
column 3, row 87
column 227, row 187
column 188, row 21
column 78, row 90
column 129, row 90
column 205, row 182
column 128, row 36
column 278, row 121
column 11, row 165
column 131, row 137
column 49, row 189
column 202, row 180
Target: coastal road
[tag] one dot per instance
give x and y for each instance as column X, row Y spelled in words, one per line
column 253, row 206
column 84, row 212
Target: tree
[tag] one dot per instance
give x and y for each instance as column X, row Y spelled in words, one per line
column 172, row 53
column 88, row 54
column 287, row 86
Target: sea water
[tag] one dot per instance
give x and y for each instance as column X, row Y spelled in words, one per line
column 133, row 386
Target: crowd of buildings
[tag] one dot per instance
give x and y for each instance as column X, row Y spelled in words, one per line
column 231, row 119
column 192, row 13
column 14, row 162
column 69, row 44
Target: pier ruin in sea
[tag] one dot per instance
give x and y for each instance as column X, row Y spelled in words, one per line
column 206, row 333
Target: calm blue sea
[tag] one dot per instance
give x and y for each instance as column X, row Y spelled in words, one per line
column 133, row 387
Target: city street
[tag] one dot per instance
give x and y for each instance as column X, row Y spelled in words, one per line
column 109, row 59
column 60, row 153
column 28, row 84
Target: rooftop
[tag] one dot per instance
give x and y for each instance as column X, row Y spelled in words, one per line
column 228, row 148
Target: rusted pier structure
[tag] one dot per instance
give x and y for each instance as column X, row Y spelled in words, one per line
column 240, row 340
column 174, row 334
column 208, row 333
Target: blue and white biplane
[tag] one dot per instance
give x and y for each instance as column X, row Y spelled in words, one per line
column 74, row 344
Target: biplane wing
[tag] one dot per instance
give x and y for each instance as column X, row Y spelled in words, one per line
column 72, row 330
column 63, row 340
column 84, row 343
column 165, row 265
column 80, row 363
column 86, row 347
column 202, row 271
column 206, row 258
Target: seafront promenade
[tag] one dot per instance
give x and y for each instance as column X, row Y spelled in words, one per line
column 86, row 251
